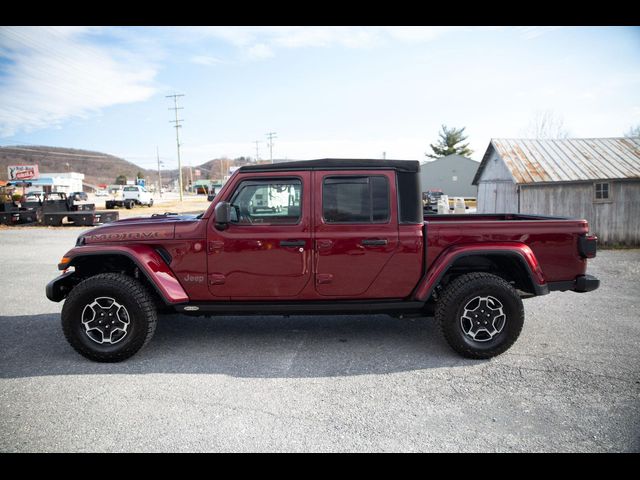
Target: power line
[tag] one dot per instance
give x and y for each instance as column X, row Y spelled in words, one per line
column 271, row 136
column 177, row 122
column 257, row 151
column 159, row 177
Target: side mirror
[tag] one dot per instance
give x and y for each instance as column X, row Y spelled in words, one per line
column 210, row 197
column 223, row 215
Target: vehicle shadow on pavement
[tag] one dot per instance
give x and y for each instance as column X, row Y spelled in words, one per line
column 256, row 346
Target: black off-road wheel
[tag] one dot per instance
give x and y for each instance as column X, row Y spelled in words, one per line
column 150, row 203
column 109, row 317
column 481, row 315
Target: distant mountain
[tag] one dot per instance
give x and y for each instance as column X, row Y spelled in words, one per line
column 101, row 167
column 97, row 167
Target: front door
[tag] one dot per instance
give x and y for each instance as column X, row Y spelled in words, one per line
column 265, row 253
column 356, row 231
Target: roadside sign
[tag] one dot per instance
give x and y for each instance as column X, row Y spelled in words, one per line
column 22, row 172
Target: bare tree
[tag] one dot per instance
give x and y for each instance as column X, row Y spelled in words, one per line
column 633, row 132
column 546, row 124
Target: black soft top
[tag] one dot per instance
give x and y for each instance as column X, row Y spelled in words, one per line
column 409, row 166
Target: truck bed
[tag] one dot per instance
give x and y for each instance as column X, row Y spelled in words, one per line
column 484, row 217
column 554, row 240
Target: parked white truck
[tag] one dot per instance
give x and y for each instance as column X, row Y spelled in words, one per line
column 131, row 195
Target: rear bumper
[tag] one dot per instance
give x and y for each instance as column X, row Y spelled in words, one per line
column 586, row 283
column 581, row 284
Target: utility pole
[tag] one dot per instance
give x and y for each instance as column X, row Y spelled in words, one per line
column 177, row 122
column 257, row 152
column 271, row 136
column 159, row 177
column 384, row 155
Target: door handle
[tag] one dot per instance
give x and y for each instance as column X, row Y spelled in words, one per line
column 372, row 242
column 292, row 243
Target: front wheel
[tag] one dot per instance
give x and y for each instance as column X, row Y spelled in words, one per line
column 109, row 317
column 480, row 314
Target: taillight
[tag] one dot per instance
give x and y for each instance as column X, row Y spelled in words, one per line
column 587, row 245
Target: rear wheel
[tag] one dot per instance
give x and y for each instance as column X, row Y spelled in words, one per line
column 109, row 317
column 151, row 202
column 480, row 314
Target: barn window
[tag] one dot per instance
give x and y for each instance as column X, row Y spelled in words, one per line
column 602, row 192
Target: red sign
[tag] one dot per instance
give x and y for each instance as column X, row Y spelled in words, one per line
column 23, row 172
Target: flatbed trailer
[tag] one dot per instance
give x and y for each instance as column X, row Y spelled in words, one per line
column 86, row 218
column 12, row 213
column 56, row 209
column 18, row 217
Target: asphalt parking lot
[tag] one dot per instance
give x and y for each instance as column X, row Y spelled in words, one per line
column 365, row 383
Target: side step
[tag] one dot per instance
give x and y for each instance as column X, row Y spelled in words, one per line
column 340, row 307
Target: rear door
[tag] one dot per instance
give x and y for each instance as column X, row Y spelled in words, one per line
column 356, row 228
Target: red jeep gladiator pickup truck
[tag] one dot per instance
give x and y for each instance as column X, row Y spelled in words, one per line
column 325, row 236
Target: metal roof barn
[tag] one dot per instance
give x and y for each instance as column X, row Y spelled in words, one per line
column 593, row 178
column 566, row 160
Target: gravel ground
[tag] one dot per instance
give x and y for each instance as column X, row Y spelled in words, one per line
column 364, row 383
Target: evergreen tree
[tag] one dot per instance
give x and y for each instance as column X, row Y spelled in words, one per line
column 448, row 143
column 121, row 180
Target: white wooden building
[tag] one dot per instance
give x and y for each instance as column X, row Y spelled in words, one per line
column 66, row 182
column 593, row 178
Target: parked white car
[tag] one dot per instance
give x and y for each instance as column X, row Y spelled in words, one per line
column 138, row 194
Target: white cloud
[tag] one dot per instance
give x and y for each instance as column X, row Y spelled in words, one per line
column 205, row 60
column 261, row 38
column 260, row 42
column 531, row 32
column 51, row 74
column 260, row 51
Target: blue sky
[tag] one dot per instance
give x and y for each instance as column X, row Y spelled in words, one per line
column 326, row 91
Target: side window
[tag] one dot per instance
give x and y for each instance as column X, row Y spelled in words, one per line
column 267, row 202
column 602, row 192
column 355, row 199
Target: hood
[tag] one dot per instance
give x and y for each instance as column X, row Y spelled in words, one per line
column 159, row 227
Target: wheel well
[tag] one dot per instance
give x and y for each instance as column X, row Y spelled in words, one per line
column 509, row 267
column 91, row 265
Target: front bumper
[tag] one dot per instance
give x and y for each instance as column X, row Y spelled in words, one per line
column 58, row 288
column 581, row 284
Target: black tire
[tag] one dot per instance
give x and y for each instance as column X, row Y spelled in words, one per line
column 151, row 203
column 129, row 293
column 460, row 304
column 128, row 204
